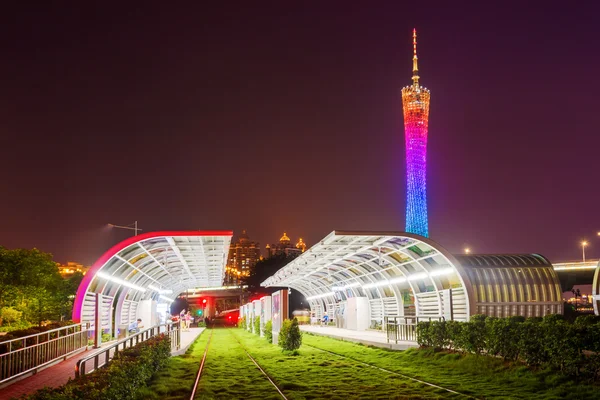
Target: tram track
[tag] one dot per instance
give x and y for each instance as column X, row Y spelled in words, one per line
column 258, row 366
column 199, row 374
column 391, row 372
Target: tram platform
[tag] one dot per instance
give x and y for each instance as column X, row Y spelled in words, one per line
column 368, row 337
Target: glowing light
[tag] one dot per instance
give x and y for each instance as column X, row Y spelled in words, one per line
column 411, row 277
column 575, row 267
column 120, row 281
column 415, row 105
column 159, row 290
column 467, row 250
column 320, row 296
column 170, row 300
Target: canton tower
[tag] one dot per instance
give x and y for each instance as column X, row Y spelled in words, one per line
column 415, row 104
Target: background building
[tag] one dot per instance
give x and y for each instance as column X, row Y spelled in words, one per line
column 286, row 247
column 67, row 270
column 243, row 256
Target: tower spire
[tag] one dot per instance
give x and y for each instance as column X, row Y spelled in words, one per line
column 415, row 77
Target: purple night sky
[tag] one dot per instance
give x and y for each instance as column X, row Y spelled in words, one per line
column 289, row 117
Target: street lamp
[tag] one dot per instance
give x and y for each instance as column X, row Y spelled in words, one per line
column 467, row 250
column 583, row 244
column 131, row 228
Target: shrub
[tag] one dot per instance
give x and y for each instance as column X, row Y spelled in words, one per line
column 549, row 342
column 257, row 325
column 283, row 333
column 130, row 370
column 423, row 334
column 454, row 332
column 10, row 315
column 242, row 323
column 269, row 331
column 293, row 336
column 473, row 334
column 438, row 334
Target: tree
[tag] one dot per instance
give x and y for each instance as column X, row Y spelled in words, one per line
column 30, row 283
column 290, row 337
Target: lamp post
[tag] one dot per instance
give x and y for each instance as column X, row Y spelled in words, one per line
column 467, row 250
column 131, row 228
column 583, row 244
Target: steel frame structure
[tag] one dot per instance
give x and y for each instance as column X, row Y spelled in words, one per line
column 386, row 267
column 407, row 275
column 152, row 266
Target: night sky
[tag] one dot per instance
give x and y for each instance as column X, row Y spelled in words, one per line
column 272, row 117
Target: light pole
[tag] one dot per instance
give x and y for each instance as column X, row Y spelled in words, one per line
column 131, row 228
column 583, row 244
column 467, row 250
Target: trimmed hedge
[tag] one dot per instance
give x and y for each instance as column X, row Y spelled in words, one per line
column 572, row 348
column 120, row 380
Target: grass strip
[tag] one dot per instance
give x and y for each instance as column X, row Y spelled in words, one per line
column 317, row 375
column 175, row 381
column 230, row 374
column 479, row 376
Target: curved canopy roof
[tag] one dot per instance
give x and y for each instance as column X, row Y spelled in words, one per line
column 383, row 266
column 150, row 265
column 502, row 260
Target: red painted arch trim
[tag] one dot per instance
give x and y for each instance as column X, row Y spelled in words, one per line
column 89, row 276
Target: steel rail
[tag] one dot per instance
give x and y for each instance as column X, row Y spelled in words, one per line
column 212, row 331
column 391, row 372
column 258, row 366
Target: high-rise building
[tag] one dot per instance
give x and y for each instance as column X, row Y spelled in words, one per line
column 243, row 256
column 286, row 247
column 415, row 104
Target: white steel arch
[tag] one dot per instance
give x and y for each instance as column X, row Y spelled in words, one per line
column 152, row 266
column 401, row 274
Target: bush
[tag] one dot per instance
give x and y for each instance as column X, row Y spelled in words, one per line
column 242, row 323
column 256, row 327
column 10, row 315
column 269, row 331
column 290, row 337
column 283, row 333
column 549, row 342
column 131, row 369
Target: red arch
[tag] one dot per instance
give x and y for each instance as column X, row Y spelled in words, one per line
column 87, row 279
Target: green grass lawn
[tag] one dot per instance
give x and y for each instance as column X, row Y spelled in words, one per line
column 175, row 381
column 314, row 374
column 479, row 376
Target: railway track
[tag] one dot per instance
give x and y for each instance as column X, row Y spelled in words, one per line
column 258, row 366
column 391, row 372
column 203, row 362
column 199, row 374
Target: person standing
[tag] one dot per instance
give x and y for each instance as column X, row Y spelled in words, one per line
column 188, row 320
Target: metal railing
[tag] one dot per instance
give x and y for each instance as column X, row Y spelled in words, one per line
column 28, row 353
column 404, row 328
column 102, row 357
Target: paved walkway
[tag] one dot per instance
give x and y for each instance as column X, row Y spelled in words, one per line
column 53, row 376
column 369, row 337
column 187, row 338
column 58, row 374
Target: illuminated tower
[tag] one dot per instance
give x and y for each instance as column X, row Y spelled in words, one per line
column 415, row 104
